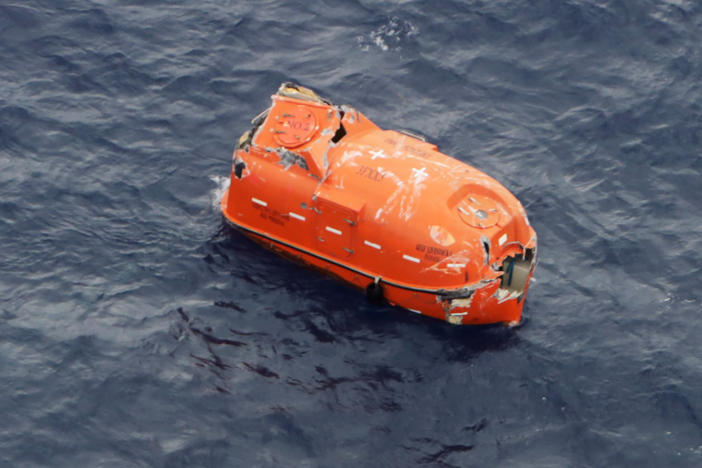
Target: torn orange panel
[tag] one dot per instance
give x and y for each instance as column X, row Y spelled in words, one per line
column 383, row 210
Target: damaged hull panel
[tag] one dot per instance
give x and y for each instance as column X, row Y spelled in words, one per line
column 382, row 210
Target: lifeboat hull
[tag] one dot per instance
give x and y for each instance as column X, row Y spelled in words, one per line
column 382, row 210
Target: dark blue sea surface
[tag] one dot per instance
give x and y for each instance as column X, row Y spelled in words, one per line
column 137, row 331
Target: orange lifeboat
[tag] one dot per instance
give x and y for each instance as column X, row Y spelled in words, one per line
column 381, row 209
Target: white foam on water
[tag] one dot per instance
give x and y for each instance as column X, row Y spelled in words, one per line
column 389, row 35
column 218, row 192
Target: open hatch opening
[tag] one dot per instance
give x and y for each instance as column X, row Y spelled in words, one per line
column 341, row 131
column 516, row 271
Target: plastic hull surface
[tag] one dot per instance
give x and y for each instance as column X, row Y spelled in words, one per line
column 382, row 210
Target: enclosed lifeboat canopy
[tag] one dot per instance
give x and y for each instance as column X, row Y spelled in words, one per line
column 381, row 209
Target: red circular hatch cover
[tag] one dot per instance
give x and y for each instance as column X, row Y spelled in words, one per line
column 479, row 211
column 294, row 126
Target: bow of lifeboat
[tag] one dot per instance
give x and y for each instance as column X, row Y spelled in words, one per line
column 383, row 210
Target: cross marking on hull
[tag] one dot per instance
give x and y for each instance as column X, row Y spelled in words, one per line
column 378, row 154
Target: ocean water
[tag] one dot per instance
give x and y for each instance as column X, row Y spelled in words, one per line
column 136, row 330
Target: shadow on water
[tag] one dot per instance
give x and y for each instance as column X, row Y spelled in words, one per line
column 329, row 310
column 464, row 343
column 292, row 345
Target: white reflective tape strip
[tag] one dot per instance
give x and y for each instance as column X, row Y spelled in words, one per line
column 456, row 265
column 415, row 311
column 456, row 314
column 332, row 230
column 258, row 202
column 410, row 258
column 372, row 244
column 502, row 239
column 296, row 216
